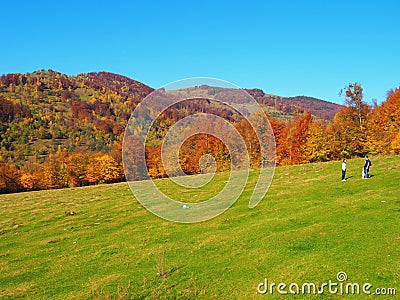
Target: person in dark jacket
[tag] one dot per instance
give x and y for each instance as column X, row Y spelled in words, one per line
column 367, row 165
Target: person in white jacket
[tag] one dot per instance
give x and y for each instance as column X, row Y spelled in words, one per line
column 344, row 166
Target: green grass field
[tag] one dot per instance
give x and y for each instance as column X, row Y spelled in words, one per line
column 99, row 242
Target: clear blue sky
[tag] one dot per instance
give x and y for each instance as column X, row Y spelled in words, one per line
column 287, row 48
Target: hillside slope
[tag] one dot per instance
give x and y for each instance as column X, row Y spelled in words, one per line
column 99, row 242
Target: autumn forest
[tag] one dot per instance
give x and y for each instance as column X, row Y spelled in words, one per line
column 62, row 131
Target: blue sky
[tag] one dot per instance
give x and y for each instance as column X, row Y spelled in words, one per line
column 287, row 48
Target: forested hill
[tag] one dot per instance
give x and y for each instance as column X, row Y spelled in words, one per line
column 45, row 111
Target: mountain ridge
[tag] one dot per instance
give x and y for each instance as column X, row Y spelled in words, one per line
column 297, row 104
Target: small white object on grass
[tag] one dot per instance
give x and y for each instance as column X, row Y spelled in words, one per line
column 185, row 206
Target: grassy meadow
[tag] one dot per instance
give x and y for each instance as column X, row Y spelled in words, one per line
column 98, row 242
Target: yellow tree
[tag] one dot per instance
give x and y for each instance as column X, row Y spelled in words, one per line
column 28, row 181
column 103, row 169
column 316, row 147
column 74, row 166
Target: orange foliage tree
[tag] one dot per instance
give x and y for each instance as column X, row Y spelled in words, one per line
column 384, row 126
column 291, row 145
column 9, row 179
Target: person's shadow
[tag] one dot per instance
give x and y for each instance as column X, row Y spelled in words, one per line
column 349, row 177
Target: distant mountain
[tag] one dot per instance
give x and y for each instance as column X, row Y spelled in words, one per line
column 45, row 112
column 299, row 104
